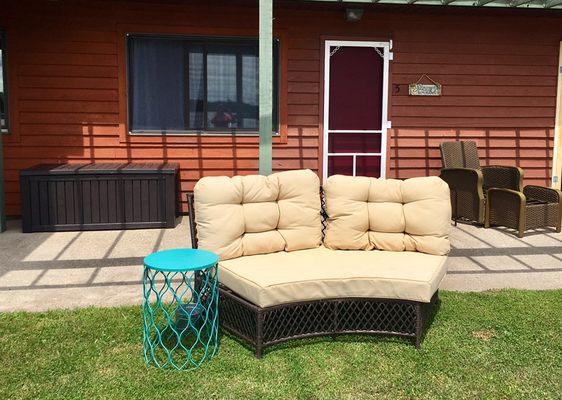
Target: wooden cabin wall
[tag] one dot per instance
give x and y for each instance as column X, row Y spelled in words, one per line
column 67, row 84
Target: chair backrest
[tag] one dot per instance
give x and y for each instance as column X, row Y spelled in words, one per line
column 461, row 154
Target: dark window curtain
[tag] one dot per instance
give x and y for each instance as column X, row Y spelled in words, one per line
column 157, row 83
column 196, row 68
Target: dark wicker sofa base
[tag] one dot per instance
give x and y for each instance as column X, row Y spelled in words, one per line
column 264, row 327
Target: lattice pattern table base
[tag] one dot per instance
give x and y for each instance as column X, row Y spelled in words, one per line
column 180, row 317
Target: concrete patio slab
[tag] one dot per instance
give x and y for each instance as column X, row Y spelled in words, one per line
column 42, row 271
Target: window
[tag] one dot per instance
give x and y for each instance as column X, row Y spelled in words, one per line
column 203, row 85
column 3, row 85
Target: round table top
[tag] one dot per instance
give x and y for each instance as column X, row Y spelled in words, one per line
column 181, row 260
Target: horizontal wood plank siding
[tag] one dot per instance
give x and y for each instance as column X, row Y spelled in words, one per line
column 498, row 72
column 498, row 89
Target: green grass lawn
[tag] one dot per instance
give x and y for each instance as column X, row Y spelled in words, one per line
column 492, row 345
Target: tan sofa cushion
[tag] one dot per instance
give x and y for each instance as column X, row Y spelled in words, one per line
column 320, row 273
column 346, row 201
column 368, row 213
column 300, row 221
column 254, row 214
column 219, row 215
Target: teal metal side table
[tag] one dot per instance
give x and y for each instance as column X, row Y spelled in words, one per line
column 180, row 308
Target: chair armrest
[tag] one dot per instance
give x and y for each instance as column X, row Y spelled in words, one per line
column 505, row 207
column 543, row 194
column 463, row 179
column 467, row 196
column 508, row 194
column 501, row 176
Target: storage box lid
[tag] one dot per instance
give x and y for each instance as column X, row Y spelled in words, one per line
column 100, row 168
column 52, row 169
column 140, row 168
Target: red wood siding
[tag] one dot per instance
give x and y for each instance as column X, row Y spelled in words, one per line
column 498, row 69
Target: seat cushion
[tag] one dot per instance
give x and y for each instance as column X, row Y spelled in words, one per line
column 387, row 214
column 254, row 214
column 321, row 273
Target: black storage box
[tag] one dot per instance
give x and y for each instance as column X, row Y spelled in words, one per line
column 75, row 197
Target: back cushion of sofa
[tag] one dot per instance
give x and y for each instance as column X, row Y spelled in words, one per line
column 219, row 215
column 261, row 215
column 346, row 204
column 300, row 221
column 388, row 214
column 427, row 211
column 254, row 214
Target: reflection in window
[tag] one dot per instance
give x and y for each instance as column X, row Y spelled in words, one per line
column 196, row 106
column 3, row 85
column 222, row 98
column 250, row 91
column 203, row 85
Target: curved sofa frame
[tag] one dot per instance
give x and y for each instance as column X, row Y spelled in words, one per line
column 262, row 327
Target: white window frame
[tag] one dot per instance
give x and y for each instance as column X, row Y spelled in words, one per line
column 275, row 131
column 385, row 123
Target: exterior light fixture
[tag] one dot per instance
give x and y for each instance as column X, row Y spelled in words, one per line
column 353, row 14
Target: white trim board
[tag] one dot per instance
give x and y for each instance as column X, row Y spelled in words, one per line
column 557, row 148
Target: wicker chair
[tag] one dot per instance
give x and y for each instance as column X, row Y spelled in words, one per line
column 469, row 181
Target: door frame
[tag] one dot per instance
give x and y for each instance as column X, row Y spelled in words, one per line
column 385, row 123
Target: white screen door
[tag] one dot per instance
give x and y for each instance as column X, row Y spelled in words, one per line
column 355, row 108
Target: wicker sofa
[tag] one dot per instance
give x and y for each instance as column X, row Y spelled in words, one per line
column 367, row 256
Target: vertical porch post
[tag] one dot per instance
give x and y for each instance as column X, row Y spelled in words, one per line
column 265, row 84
